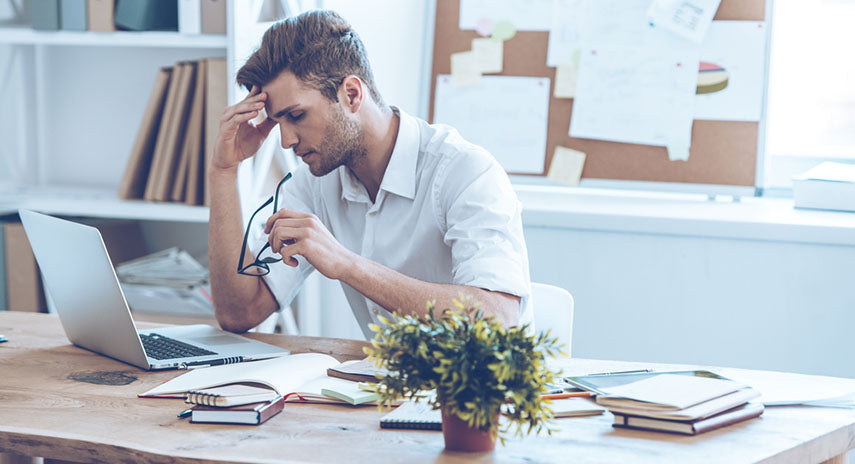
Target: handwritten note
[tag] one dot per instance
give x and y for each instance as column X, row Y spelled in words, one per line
column 565, row 38
column 687, row 18
column 507, row 115
column 629, row 95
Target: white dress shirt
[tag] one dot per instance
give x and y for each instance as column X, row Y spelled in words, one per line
column 445, row 213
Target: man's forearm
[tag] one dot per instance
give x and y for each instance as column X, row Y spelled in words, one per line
column 395, row 291
column 240, row 302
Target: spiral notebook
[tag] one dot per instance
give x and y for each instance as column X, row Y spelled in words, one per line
column 412, row 415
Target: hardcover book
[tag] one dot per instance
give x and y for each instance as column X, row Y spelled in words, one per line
column 250, row 414
column 739, row 414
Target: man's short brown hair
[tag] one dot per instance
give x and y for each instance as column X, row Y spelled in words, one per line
column 319, row 47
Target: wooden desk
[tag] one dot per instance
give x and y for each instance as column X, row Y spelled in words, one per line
column 63, row 402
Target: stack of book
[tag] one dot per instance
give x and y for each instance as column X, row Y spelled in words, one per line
column 680, row 403
column 177, row 134
column 167, row 282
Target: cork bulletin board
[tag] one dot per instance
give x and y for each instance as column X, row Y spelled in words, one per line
column 722, row 152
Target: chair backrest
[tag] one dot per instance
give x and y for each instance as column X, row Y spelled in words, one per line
column 553, row 310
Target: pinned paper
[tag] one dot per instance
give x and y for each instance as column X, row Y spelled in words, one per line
column 488, row 54
column 504, row 30
column 484, row 27
column 678, row 153
column 464, row 69
column 507, row 115
column 565, row 35
column 687, row 18
column 566, row 167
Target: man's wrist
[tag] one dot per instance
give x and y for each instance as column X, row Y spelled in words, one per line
column 352, row 263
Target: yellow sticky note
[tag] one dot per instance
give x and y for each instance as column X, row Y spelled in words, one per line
column 464, row 69
column 565, row 80
column 566, row 167
column 488, row 53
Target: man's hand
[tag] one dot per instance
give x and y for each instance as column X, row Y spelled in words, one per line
column 292, row 233
column 238, row 138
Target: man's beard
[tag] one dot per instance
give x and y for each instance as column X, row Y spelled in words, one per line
column 342, row 144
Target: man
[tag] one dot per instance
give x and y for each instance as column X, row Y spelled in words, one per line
column 397, row 210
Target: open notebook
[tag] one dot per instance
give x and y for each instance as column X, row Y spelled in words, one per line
column 302, row 375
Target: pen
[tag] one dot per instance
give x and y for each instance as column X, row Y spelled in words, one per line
column 558, row 396
column 637, row 371
column 185, row 413
column 213, row 362
column 3, row 338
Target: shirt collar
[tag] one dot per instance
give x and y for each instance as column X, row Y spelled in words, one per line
column 400, row 175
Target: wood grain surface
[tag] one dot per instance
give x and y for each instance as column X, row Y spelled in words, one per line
column 63, row 402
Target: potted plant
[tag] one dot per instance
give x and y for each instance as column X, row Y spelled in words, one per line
column 477, row 367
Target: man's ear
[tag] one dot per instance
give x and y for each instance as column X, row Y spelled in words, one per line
column 352, row 92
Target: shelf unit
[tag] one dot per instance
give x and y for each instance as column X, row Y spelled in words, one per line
column 54, row 82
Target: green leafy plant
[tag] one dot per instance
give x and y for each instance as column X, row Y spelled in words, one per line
column 477, row 367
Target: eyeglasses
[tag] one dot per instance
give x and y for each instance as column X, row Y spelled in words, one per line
column 261, row 265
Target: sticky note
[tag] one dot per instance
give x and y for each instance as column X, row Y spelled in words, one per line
column 678, row 152
column 488, row 54
column 566, row 167
column 484, row 27
column 504, row 30
column 464, row 69
column 565, row 80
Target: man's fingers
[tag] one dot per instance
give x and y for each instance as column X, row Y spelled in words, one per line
column 286, row 235
column 285, row 214
column 288, row 253
column 242, row 108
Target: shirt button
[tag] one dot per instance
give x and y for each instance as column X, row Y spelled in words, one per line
column 376, row 311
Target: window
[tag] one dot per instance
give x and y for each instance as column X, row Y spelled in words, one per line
column 811, row 94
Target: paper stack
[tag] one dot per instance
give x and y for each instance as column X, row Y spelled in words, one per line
column 680, row 403
column 827, row 186
column 169, row 281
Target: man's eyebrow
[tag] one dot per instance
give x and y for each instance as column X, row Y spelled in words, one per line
column 282, row 112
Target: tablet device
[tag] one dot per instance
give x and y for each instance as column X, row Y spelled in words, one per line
column 594, row 382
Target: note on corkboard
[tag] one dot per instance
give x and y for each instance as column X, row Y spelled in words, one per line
column 722, row 152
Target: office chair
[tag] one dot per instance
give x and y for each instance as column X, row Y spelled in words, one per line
column 553, row 311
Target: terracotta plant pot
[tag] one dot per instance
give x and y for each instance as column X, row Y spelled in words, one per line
column 459, row 436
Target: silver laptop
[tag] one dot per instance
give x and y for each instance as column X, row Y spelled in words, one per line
column 81, row 281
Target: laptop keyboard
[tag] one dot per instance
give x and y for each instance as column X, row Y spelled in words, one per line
column 160, row 347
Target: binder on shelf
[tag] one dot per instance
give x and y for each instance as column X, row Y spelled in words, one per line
column 44, row 15
column 134, row 180
column 100, row 14
column 170, row 137
column 72, row 15
column 192, row 143
column 147, row 15
column 216, row 95
column 213, row 14
column 189, row 17
column 196, row 162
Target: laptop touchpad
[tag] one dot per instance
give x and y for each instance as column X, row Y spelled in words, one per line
column 218, row 340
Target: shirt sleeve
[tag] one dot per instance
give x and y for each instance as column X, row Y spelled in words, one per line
column 483, row 226
column 285, row 281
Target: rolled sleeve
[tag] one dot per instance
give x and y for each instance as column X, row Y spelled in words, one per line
column 483, row 228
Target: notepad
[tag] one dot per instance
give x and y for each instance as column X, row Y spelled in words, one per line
column 413, row 415
column 574, row 407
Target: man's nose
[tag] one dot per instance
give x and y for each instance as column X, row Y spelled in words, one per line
column 289, row 138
